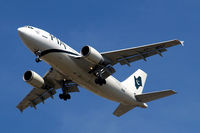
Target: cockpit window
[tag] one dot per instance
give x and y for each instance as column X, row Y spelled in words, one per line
column 30, row 27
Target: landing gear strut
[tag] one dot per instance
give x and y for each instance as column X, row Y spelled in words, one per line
column 38, row 55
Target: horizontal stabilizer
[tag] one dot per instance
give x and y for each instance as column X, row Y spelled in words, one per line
column 147, row 97
column 122, row 109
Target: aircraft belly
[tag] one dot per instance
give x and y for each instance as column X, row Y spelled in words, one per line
column 112, row 90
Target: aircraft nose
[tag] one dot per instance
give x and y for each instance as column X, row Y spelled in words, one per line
column 22, row 32
column 20, row 29
column 27, row 36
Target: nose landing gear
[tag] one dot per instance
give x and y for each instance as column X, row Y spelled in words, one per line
column 38, row 55
column 38, row 59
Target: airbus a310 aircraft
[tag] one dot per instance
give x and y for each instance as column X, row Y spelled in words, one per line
column 89, row 69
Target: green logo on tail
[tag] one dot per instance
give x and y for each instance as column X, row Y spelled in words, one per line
column 138, row 82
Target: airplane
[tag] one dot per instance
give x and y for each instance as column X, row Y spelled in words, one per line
column 89, row 69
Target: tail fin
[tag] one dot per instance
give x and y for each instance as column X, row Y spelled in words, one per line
column 136, row 81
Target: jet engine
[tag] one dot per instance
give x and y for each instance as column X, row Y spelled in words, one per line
column 102, row 68
column 92, row 55
column 34, row 79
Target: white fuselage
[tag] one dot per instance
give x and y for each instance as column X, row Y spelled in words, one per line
column 67, row 64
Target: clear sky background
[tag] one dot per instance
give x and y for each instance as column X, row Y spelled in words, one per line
column 105, row 25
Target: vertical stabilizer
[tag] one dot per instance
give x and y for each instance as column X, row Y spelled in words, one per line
column 136, row 81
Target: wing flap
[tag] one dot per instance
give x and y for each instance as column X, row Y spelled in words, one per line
column 147, row 97
column 35, row 97
column 125, row 56
column 122, row 109
column 44, row 96
column 139, row 56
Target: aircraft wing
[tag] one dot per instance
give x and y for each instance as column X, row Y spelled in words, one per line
column 126, row 56
column 122, row 109
column 37, row 95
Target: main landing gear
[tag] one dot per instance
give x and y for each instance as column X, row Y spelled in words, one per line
column 100, row 81
column 101, row 73
column 65, row 95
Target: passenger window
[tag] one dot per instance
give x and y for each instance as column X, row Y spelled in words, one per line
column 37, row 31
column 44, row 36
column 51, row 37
column 58, row 41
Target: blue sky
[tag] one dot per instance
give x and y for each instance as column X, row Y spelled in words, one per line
column 105, row 25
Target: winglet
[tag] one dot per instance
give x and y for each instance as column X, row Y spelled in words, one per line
column 21, row 110
column 182, row 43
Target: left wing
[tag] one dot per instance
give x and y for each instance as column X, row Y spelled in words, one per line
column 126, row 56
column 37, row 95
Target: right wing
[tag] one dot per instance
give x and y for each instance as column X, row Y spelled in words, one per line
column 122, row 109
column 147, row 97
column 126, row 56
column 37, row 95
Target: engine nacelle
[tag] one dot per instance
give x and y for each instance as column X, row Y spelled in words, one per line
column 92, row 55
column 34, row 79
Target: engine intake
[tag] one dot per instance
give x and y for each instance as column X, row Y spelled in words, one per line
column 92, row 55
column 33, row 79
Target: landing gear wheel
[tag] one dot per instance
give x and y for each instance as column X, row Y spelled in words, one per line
column 97, row 81
column 68, row 96
column 38, row 60
column 104, row 81
column 61, row 96
column 64, row 96
column 100, row 81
